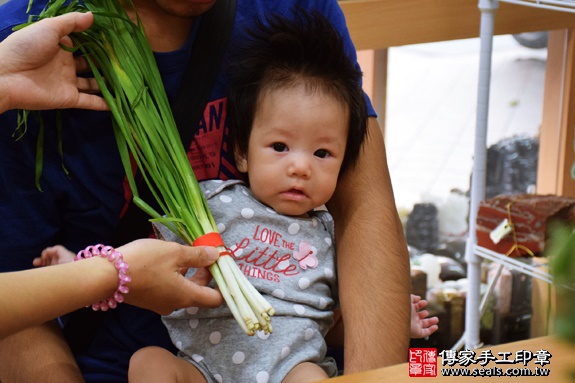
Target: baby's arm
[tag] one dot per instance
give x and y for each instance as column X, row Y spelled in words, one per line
column 54, row 255
column 421, row 326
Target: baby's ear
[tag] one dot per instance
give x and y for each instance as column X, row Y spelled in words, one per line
column 242, row 163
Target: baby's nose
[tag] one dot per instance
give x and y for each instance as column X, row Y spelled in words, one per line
column 300, row 166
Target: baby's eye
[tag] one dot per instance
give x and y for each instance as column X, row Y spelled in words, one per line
column 322, row 153
column 279, row 147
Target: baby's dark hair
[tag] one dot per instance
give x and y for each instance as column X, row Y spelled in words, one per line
column 286, row 52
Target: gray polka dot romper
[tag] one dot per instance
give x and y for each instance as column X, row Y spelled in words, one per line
column 291, row 261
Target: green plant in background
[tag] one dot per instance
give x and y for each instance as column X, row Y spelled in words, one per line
column 562, row 262
column 561, row 253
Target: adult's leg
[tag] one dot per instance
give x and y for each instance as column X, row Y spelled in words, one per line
column 155, row 364
column 38, row 354
column 306, row 372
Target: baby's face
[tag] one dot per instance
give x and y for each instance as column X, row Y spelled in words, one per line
column 296, row 148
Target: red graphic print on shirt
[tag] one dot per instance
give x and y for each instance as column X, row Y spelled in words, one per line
column 267, row 254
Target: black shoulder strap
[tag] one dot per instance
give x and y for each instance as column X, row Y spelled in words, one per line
column 206, row 60
column 207, row 55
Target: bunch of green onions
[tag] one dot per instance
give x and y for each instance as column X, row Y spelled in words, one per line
column 124, row 67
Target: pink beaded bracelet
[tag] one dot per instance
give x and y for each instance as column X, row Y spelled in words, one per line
column 118, row 260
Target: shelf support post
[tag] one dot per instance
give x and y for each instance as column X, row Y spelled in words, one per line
column 472, row 313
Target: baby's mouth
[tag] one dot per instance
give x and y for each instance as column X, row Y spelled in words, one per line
column 294, row 193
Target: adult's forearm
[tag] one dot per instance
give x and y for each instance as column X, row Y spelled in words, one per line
column 36, row 350
column 48, row 292
column 373, row 262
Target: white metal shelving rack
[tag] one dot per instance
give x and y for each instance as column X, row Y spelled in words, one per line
column 555, row 5
column 473, row 253
column 514, row 263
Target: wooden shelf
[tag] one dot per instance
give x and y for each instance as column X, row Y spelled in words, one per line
column 379, row 24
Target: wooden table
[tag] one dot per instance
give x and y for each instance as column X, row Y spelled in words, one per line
column 562, row 361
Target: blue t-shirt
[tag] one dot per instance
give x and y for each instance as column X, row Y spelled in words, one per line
column 82, row 204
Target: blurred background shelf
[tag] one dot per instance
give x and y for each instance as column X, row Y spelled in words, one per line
column 517, row 264
column 555, row 5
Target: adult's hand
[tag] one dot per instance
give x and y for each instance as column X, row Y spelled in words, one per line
column 157, row 284
column 157, row 269
column 37, row 74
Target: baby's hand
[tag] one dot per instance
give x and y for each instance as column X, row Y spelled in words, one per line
column 421, row 326
column 54, row 255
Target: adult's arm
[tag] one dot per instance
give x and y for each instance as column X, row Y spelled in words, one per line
column 37, row 74
column 373, row 262
column 32, row 297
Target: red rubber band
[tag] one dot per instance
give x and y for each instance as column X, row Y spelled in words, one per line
column 210, row 239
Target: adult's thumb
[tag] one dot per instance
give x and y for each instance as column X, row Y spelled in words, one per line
column 200, row 256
